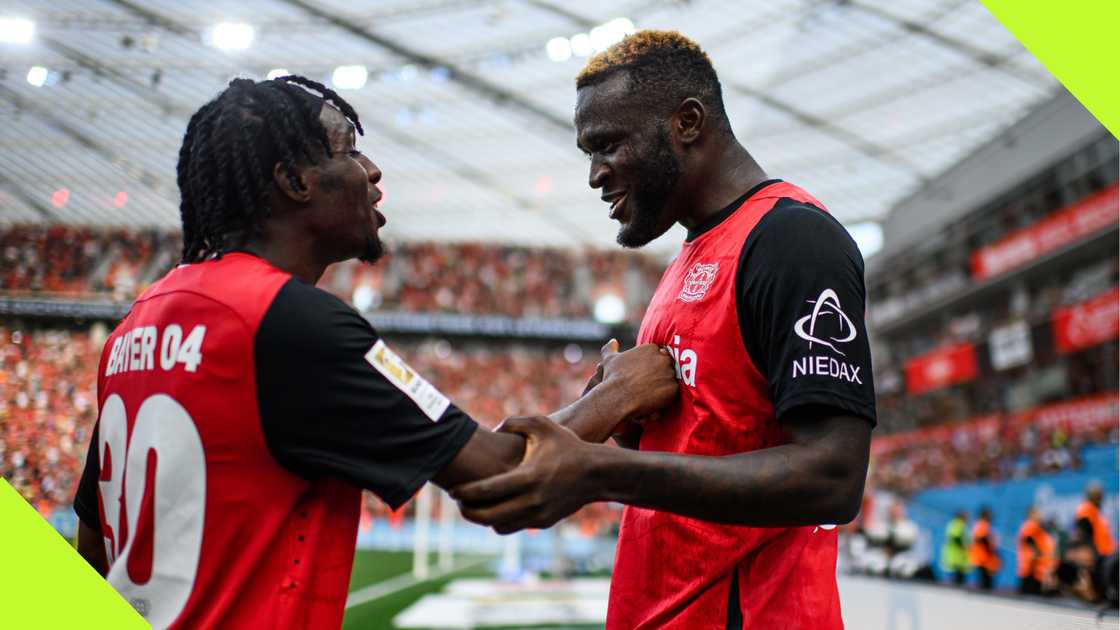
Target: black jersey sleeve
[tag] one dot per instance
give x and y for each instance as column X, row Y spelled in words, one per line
column 85, row 499
column 334, row 400
column 800, row 297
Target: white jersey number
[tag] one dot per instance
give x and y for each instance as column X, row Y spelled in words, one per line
column 165, row 450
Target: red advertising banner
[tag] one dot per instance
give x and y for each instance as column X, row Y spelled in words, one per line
column 1080, row 414
column 1091, row 214
column 1086, row 324
column 1083, row 414
column 944, row 366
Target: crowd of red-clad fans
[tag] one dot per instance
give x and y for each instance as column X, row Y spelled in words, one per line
column 1041, row 440
column 469, row 278
column 78, row 261
column 48, row 406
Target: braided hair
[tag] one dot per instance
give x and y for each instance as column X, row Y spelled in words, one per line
column 230, row 148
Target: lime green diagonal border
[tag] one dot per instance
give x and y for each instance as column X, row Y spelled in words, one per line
column 1077, row 41
column 44, row 583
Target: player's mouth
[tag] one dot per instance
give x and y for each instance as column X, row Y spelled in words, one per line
column 617, row 201
column 381, row 220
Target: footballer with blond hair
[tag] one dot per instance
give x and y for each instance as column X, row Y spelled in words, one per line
column 733, row 493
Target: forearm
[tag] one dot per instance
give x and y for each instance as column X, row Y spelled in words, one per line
column 486, row 454
column 594, row 416
column 774, row 487
column 92, row 547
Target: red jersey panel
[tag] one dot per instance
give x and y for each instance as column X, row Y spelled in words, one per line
column 203, row 528
column 675, row 572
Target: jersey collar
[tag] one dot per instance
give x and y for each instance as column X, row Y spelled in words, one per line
column 727, row 211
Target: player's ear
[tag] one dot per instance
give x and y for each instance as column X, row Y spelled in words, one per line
column 293, row 183
column 689, row 120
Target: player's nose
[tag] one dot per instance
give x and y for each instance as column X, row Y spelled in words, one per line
column 373, row 173
column 597, row 177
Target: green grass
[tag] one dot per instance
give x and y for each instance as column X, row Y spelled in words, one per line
column 371, row 567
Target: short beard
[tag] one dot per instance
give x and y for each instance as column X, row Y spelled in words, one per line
column 373, row 252
column 656, row 179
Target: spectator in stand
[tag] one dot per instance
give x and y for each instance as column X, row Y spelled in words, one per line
column 983, row 553
column 954, row 552
column 1090, row 526
column 1037, row 560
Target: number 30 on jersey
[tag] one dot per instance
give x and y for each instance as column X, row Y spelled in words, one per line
column 153, row 493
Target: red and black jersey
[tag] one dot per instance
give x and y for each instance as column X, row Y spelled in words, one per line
column 241, row 411
column 763, row 312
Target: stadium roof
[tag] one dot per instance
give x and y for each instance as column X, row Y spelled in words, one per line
column 468, row 114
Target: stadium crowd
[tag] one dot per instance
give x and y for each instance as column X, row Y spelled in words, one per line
column 468, row 278
column 48, row 407
column 78, row 261
column 995, row 447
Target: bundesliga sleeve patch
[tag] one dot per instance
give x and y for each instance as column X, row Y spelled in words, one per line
column 396, row 371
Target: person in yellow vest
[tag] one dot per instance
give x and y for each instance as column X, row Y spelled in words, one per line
column 982, row 553
column 1090, row 525
column 1036, row 556
column 954, row 552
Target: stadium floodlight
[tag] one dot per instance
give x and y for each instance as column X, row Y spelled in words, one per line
column 581, row 45
column 16, row 30
column 868, row 237
column 276, row 73
column 573, row 353
column 610, row 309
column 365, row 298
column 559, row 49
column 604, row 35
column 349, row 77
column 37, row 76
column 232, row 35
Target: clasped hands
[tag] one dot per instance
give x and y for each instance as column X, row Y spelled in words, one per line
column 557, row 474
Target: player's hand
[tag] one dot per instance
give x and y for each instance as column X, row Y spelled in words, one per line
column 644, row 376
column 547, row 486
column 611, row 347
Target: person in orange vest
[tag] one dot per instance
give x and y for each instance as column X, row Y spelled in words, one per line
column 1036, row 556
column 1090, row 525
column 982, row 553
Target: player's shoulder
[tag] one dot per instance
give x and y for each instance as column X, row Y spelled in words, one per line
column 301, row 311
column 241, row 282
column 310, row 303
column 792, row 215
column 795, row 227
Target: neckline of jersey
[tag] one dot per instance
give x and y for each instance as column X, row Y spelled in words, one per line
column 727, row 211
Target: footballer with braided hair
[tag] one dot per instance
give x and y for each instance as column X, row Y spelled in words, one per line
column 734, row 493
column 231, row 148
column 242, row 410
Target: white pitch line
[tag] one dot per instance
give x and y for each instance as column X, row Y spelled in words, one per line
column 401, row 582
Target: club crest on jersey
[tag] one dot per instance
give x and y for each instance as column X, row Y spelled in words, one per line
column 698, row 281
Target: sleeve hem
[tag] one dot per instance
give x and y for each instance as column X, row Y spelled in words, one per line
column 448, row 450
column 830, row 399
